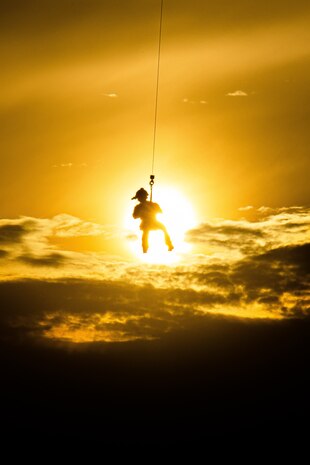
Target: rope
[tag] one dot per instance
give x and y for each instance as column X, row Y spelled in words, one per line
column 157, row 84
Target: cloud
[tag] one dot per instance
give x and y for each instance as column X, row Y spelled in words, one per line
column 93, row 310
column 237, row 93
column 52, row 259
column 292, row 256
column 274, row 284
column 65, row 225
column 264, row 209
column 30, row 243
column 63, row 165
column 201, row 102
column 272, row 229
column 111, row 95
column 281, row 274
column 253, row 269
column 226, row 228
column 69, row 165
column 229, row 239
column 11, row 233
column 62, row 225
column 246, row 208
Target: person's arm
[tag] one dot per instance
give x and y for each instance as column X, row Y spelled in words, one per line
column 136, row 212
column 158, row 209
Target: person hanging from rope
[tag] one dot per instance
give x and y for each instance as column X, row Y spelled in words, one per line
column 147, row 211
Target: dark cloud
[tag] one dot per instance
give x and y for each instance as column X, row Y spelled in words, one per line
column 12, row 233
column 293, row 256
column 253, row 270
column 279, row 279
column 201, row 234
column 279, row 274
column 95, row 310
column 121, row 310
column 3, row 253
column 215, row 279
column 303, row 226
column 52, row 259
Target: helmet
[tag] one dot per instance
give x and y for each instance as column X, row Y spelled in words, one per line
column 140, row 194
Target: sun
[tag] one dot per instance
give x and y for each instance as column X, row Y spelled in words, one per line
column 178, row 217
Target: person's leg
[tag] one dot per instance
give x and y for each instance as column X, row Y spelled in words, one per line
column 145, row 240
column 167, row 237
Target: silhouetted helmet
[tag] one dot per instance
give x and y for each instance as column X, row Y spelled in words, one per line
column 140, row 194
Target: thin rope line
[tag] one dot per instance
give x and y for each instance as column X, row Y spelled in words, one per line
column 157, row 83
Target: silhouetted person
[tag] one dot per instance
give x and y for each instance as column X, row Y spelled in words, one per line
column 147, row 211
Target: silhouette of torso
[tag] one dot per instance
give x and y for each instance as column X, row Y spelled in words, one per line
column 147, row 211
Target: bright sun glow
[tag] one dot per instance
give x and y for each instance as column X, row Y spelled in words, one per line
column 178, row 216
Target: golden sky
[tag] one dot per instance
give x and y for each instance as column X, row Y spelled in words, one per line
column 77, row 112
column 77, row 105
